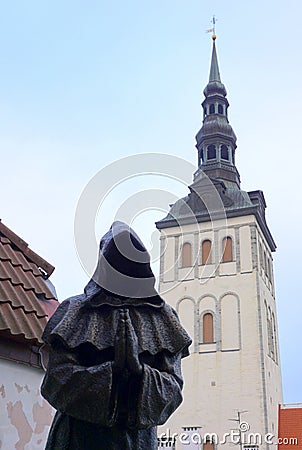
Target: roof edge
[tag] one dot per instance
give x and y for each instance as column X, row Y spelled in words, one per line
column 23, row 246
column 291, row 406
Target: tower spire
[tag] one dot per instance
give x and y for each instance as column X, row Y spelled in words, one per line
column 216, row 140
column 214, row 70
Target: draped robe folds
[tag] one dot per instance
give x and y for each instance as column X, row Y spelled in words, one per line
column 97, row 407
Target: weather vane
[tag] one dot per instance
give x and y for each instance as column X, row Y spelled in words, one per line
column 212, row 30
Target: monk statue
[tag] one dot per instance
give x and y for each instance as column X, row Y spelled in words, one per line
column 114, row 370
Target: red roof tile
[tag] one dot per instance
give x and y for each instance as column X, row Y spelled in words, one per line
column 26, row 302
column 290, row 427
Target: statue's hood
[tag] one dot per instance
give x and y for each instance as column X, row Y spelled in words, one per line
column 123, row 269
column 123, row 279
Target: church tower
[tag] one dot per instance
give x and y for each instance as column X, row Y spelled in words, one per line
column 217, row 271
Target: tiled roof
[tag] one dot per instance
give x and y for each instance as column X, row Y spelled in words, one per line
column 26, row 301
column 290, row 427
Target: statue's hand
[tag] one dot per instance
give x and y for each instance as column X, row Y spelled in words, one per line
column 119, row 362
column 132, row 359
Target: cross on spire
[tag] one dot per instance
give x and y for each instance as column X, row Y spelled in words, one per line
column 214, row 23
column 213, row 29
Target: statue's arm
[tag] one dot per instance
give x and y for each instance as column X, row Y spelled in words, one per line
column 160, row 392
column 83, row 392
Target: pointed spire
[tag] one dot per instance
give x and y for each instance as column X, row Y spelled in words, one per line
column 216, row 140
column 214, row 70
column 214, row 85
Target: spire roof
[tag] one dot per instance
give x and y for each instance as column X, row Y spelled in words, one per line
column 214, row 70
column 214, row 86
column 216, row 140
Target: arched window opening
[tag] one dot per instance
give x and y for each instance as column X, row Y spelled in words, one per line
column 275, row 339
column 211, row 152
column 186, row 260
column 261, row 255
column 269, row 271
column 265, row 263
column 224, row 152
column 207, row 328
column 205, row 111
column 220, row 109
column 273, row 336
column 208, row 445
column 270, row 335
column 212, row 108
column 227, row 249
column 206, row 257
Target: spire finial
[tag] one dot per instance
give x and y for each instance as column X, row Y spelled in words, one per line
column 213, row 29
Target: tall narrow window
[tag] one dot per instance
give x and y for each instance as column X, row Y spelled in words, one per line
column 220, row 109
column 265, row 263
column 227, row 249
column 224, row 152
column 208, row 446
column 211, row 152
column 261, row 255
column 269, row 269
column 206, row 257
column 212, row 108
column 207, row 328
column 186, row 255
column 275, row 339
column 268, row 329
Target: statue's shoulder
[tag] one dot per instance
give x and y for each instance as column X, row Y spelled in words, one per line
column 66, row 313
column 159, row 329
column 167, row 314
column 170, row 311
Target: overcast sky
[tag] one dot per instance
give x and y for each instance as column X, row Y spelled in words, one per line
column 83, row 84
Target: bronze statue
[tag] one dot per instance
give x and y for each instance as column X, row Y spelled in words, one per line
column 114, row 369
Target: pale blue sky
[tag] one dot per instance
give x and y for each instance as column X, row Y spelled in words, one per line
column 85, row 83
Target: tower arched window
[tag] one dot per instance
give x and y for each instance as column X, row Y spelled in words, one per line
column 269, row 269
column 206, row 247
column 207, row 328
column 274, row 336
column 211, row 154
column 212, row 108
column 208, row 445
column 220, row 109
column 205, row 111
column 270, row 335
column 275, row 339
column 261, row 255
column 186, row 259
column 265, row 263
column 224, row 152
column 227, row 249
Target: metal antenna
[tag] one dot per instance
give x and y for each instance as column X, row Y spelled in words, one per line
column 241, row 431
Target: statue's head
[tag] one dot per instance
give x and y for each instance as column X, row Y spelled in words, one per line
column 123, row 267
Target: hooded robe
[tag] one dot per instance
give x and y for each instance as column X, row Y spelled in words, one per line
column 100, row 407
